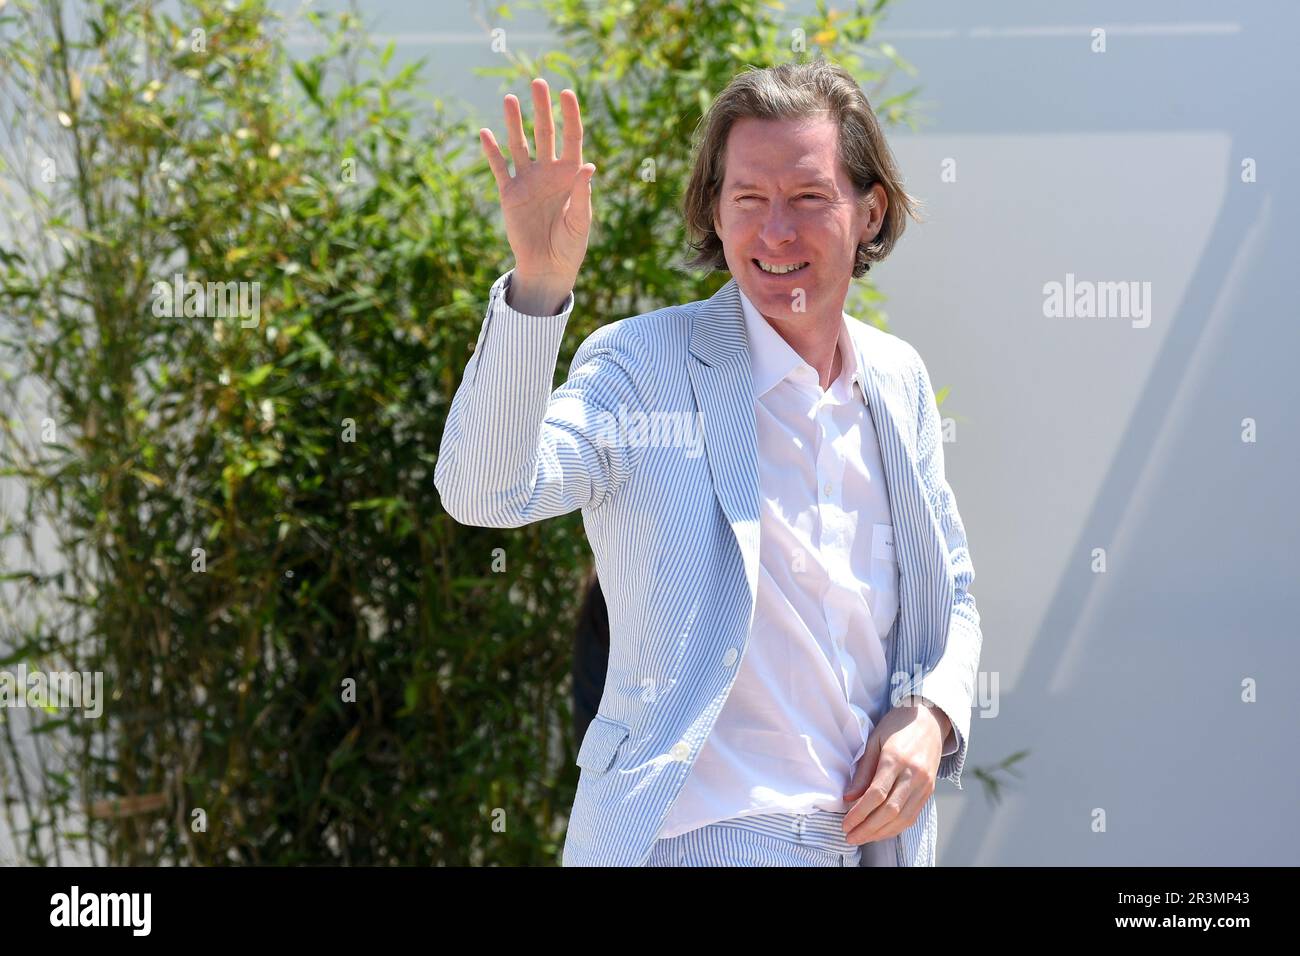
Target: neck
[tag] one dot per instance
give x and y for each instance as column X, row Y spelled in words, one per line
column 818, row 347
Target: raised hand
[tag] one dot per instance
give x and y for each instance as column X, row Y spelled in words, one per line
column 547, row 202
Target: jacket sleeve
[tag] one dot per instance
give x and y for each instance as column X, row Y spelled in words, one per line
column 950, row 685
column 512, row 452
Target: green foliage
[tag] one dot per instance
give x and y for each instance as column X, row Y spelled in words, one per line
column 298, row 453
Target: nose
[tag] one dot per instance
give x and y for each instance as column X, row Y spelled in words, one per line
column 778, row 226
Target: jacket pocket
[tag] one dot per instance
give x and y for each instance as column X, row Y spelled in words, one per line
column 601, row 744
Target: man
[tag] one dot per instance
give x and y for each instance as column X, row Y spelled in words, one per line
column 793, row 641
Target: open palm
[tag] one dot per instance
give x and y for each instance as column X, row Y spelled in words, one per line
column 547, row 202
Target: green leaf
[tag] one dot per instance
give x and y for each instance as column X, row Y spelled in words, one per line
column 309, row 78
column 258, row 375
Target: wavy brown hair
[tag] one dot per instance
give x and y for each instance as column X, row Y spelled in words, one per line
column 793, row 91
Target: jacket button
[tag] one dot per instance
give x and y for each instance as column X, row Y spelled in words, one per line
column 729, row 658
column 680, row 751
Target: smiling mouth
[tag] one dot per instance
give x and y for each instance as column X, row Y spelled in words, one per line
column 779, row 275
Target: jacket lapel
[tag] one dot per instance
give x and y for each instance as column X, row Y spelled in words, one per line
column 925, row 591
column 720, row 375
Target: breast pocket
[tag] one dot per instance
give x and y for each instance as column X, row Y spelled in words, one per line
column 884, row 578
column 601, row 744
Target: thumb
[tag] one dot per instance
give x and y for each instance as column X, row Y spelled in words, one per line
column 865, row 770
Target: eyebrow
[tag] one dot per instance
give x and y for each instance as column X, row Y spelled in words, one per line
column 806, row 184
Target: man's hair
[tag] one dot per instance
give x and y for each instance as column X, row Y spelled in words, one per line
column 793, row 91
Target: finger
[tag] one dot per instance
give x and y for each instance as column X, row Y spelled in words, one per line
column 894, row 825
column 572, row 149
column 500, row 171
column 543, row 122
column 515, row 133
column 580, row 200
column 879, row 820
column 914, row 806
column 877, row 792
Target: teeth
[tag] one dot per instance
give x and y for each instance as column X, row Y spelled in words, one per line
column 779, row 270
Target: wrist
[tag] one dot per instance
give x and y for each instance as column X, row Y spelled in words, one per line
column 536, row 296
column 945, row 725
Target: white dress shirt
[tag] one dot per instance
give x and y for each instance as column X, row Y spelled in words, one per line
column 813, row 681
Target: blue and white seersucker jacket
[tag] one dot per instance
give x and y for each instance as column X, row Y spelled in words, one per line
column 675, row 533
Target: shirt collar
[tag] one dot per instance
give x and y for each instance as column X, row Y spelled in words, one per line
column 771, row 359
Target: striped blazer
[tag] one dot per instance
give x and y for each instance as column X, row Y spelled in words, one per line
column 671, row 509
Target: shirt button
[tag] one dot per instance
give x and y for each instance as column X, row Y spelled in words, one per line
column 680, row 751
column 827, row 489
column 729, row 658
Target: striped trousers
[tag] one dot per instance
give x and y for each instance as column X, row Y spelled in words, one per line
column 767, row 839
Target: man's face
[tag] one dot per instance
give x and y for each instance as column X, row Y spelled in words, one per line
column 786, row 200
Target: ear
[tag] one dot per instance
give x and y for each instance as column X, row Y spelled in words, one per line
column 872, row 207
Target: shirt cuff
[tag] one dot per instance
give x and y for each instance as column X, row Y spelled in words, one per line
column 502, row 287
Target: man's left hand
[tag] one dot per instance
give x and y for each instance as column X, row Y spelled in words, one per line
column 901, row 762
